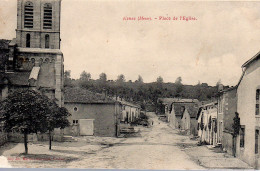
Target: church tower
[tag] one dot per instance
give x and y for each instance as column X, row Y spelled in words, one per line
column 36, row 49
column 38, row 24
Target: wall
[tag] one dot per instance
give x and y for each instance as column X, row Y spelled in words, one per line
column 227, row 142
column 103, row 115
column 246, row 100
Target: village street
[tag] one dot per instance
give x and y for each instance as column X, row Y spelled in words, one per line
column 157, row 147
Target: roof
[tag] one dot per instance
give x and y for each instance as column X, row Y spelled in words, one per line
column 251, row 60
column 16, row 78
column 180, row 108
column 4, row 43
column 35, row 72
column 128, row 103
column 169, row 101
column 79, row 95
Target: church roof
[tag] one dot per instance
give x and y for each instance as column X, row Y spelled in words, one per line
column 16, row 78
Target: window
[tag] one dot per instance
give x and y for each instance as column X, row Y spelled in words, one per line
column 257, row 102
column 47, row 41
column 28, row 15
column 47, row 16
column 242, row 136
column 28, row 40
column 75, row 121
column 256, row 141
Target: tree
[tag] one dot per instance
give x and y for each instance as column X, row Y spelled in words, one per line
column 120, row 78
column 179, row 86
column 57, row 118
column 140, row 79
column 84, row 76
column 67, row 78
column 159, row 79
column 103, row 77
column 29, row 112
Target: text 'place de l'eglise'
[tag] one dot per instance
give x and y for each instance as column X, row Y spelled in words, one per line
column 229, row 120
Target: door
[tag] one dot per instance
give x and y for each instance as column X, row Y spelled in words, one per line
column 86, row 126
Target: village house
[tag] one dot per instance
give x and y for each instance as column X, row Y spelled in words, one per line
column 248, row 92
column 227, row 107
column 33, row 59
column 181, row 114
column 96, row 114
column 207, row 123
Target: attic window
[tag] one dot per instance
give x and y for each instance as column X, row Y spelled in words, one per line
column 75, row 109
column 47, row 16
column 28, row 15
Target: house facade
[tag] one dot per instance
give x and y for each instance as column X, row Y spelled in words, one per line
column 96, row 114
column 207, row 123
column 227, row 107
column 248, row 110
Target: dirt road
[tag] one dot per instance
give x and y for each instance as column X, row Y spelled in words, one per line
column 157, row 147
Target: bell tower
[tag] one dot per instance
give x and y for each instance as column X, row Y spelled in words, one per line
column 36, row 49
column 38, row 24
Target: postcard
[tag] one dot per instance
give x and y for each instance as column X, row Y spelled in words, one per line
column 98, row 84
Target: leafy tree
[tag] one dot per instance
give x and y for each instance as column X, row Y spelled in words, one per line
column 103, row 77
column 56, row 118
column 236, row 125
column 159, row 79
column 30, row 112
column 67, row 78
column 84, row 76
column 179, row 86
column 140, row 79
column 120, row 78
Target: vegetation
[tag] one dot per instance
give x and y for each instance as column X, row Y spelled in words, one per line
column 31, row 112
column 143, row 93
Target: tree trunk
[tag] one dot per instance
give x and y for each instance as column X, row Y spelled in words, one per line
column 25, row 142
column 49, row 140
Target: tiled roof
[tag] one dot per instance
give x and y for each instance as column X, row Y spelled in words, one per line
column 16, row 78
column 79, row 95
column 179, row 109
column 169, row 101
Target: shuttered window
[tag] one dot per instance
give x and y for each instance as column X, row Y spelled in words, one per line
column 28, row 15
column 47, row 16
column 257, row 102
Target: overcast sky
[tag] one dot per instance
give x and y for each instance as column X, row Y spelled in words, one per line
column 95, row 38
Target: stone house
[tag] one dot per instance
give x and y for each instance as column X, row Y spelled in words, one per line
column 227, row 106
column 207, row 123
column 33, row 59
column 248, row 92
column 189, row 121
column 96, row 114
column 130, row 112
column 176, row 109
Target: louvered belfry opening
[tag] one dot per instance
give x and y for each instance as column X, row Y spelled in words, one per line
column 28, row 15
column 47, row 16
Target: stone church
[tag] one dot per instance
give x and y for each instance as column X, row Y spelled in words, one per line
column 33, row 59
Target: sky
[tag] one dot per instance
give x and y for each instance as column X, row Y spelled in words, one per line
column 95, row 38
